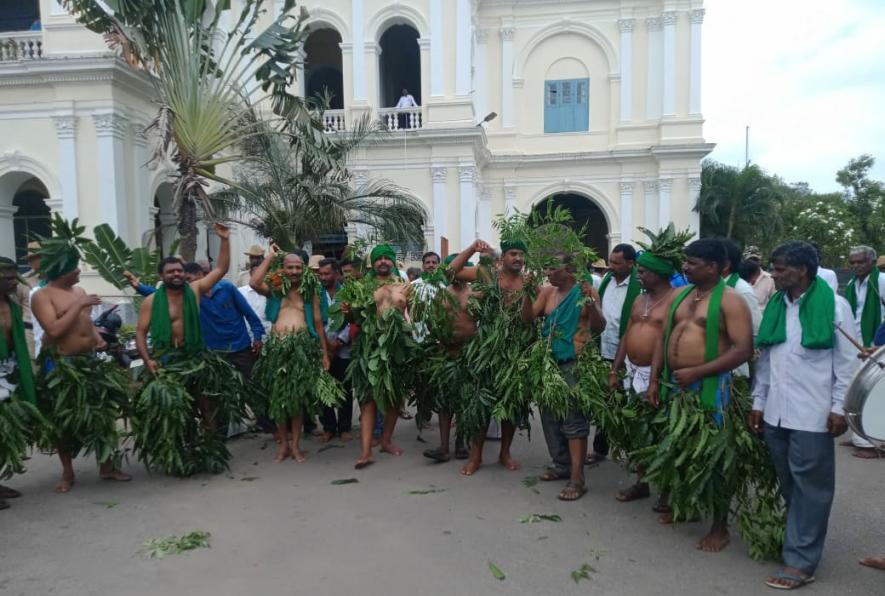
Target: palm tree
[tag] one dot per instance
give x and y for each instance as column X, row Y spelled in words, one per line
column 294, row 192
column 208, row 83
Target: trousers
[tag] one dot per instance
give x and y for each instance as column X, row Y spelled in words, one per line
column 806, row 467
column 557, row 433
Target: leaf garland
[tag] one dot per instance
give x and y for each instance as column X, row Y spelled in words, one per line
column 19, row 421
column 667, row 244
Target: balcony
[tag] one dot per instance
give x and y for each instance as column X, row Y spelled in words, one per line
column 21, row 45
column 333, row 121
column 401, row 118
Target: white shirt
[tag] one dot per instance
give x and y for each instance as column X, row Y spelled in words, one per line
column 406, row 101
column 829, row 276
column 861, row 291
column 38, row 330
column 612, row 303
column 797, row 388
column 746, row 292
column 257, row 302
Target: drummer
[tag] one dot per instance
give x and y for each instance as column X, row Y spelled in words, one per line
column 802, row 375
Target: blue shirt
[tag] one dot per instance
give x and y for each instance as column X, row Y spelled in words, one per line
column 222, row 314
column 677, row 280
column 145, row 290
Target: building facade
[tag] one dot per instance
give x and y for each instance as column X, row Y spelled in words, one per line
column 595, row 104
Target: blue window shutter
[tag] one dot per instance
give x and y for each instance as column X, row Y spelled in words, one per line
column 567, row 106
column 551, row 106
column 582, row 105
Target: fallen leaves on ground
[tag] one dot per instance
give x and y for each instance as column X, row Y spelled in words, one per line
column 344, row 481
column 496, row 571
column 157, row 548
column 582, row 572
column 535, row 518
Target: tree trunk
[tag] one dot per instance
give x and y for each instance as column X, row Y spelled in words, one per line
column 187, row 229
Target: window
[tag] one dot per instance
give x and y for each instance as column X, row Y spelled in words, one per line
column 567, row 106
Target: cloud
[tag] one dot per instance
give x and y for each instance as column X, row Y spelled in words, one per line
column 807, row 77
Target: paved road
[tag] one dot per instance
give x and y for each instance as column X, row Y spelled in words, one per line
column 284, row 529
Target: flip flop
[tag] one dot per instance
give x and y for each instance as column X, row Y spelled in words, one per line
column 363, row 464
column 436, row 455
column 797, row 580
column 638, row 491
column 551, row 476
column 594, row 459
column 572, row 492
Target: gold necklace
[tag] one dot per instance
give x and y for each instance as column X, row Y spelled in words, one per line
column 700, row 296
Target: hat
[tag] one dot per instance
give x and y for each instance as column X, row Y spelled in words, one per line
column 880, row 262
column 600, row 264
column 314, row 262
column 255, row 251
column 33, row 250
column 753, row 252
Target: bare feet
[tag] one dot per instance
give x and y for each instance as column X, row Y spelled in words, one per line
column 115, row 474
column 298, row 455
column 326, row 437
column 346, row 437
column 391, row 449
column 376, row 441
column 282, row 452
column 65, row 484
column 364, row 462
column 508, row 462
column 867, row 453
column 471, row 467
column 716, row 540
column 874, row 562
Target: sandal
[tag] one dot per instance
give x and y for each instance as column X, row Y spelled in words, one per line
column 594, row 459
column 436, row 455
column 551, row 476
column 794, row 581
column 638, row 491
column 572, row 492
column 661, row 506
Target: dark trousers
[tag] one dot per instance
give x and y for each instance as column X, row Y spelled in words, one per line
column 339, row 420
column 244, row 361
column 806, row 467
column 600, row 441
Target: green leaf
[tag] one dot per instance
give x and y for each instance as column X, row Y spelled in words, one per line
column 535, row 518
column 428, row 491
column 344, row 481
column 106, row 504
column 583, row 572
column 157, row 548
column 496, row 572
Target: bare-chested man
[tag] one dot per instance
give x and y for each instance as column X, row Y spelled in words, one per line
column 648, row 316
column 390, row 300
column 16, row 376
column 560, row 305
column 683, row 351
column 64, row 310
column 296, row 333
column 509, row 279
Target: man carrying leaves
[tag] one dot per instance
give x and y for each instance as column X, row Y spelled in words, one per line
column 563, row 305
column 292, row 368
column 82, row 396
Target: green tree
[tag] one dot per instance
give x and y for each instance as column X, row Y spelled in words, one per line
column 824, row 219
column 865, row 199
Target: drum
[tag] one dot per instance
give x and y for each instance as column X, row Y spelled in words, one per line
column 865, row 399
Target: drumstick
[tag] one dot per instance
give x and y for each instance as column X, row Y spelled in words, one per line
column 857, row 345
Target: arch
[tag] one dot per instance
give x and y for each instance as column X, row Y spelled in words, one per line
column 323, row 18
column 323, row 66
column 588, row 213
column 396, row 14
column 399, row 66
column 16, row 168
column 567, row 67
column 567, row 26
column 165, row 221
column 588, row 191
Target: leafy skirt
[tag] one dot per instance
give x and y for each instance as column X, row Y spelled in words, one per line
column 81, row 398
column 20, row 422
column 384, row 360
column 292, row 380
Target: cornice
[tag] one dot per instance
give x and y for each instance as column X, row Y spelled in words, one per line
column 80, row 69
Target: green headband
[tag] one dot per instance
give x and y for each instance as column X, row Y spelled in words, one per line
column 448, row 261
column 656, row 264
column 383, row 250
column 513, row 245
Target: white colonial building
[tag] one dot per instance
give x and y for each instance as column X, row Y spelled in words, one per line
column 595, row 103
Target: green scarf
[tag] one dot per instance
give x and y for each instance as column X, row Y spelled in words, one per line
column 161, row 325
column 871, row 317
column 732, row 280
column 709, row 385
column 633, row 290
column 656, row 264
column 22, row 357
column 817, row 314
column 275, row 303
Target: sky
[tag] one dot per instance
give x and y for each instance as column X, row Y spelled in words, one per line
column 807, row 77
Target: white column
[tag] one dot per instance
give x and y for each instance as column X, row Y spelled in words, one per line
column 440, row 212
column 697, row 22
column 626, row 28
column 626, row 211
column 467, row 232
column 7, row 230
column 300, row 81
column 481, row 74
column 507, row 77
column 110, row 129
column 484, row 215
column 144, row 220
column 509, row 201
column 654, row 85
column 669, row 21
column 463, row 38
column 665, row 215
column 694, row 218
column 66, row 132
column 436, row 48
column 651, row 205
column 359, row 54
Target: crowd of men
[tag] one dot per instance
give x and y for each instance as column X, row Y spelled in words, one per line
column 659, row 335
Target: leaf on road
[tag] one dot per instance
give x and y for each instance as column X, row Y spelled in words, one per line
column 428, row 491
column 582, row 572
column 496, row 571
column 157, row 548
column 535, row 518
column 106, row 504
column 344, row 481
column 249, row 478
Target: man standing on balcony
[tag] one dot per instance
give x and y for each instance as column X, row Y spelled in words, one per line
column 405, row 102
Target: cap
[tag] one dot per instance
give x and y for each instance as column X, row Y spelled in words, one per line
column 255, row 251
column 752, row 252
column 33, row 249
column 600, row 264
column 314, row 262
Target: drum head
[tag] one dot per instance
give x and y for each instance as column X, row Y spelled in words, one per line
column 865, row 399
column 872, row 416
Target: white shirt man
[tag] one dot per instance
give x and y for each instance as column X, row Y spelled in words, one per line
column 612, row 304
column 829, row 276
column 406, row 101
column 257, row 302
column 746, row 292
column 862, row 299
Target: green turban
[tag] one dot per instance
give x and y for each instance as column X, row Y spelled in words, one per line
column 513, row 245
column 448, row 261
column 383, row 250
column 60, row 263
column 655, row 264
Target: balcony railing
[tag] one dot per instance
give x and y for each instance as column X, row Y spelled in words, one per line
column 401, row 118
column 333, row 120
column 21, row 45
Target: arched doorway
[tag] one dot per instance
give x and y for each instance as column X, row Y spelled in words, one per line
column 322, row 66
column 586, row 215
column 400, row 65
column 165, row 222
column 31, row 218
